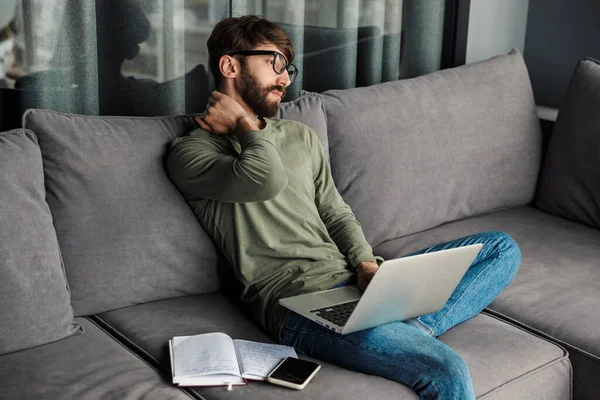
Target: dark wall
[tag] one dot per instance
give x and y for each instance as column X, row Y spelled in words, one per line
column 559, row 33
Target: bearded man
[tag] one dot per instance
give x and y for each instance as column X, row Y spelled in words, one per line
column 262, row 189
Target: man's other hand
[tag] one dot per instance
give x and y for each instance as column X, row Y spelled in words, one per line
column 225, row 116
column 364, row 273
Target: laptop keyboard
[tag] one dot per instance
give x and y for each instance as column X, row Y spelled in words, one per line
column 337, row 314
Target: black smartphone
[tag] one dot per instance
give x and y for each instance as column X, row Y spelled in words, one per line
column 293, row 373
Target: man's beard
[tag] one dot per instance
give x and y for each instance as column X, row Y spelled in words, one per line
column 255, row 96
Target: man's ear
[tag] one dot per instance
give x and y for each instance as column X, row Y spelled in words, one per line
column 229, row 66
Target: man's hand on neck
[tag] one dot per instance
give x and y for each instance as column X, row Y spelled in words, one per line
column 245, row 124
column 225, row 116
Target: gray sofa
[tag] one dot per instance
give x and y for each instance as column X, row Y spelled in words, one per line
column 102, row 261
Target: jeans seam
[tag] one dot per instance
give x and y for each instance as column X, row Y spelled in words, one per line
column 296, row 332
column 496, row 246
column 346, row 342
column 435, row 388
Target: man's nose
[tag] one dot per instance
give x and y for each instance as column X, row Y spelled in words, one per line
column 283, row 79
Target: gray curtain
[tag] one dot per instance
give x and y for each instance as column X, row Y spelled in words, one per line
column 149, row 57
column 110, row 57
column 349, row 43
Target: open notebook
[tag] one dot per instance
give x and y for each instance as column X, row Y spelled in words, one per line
column 215, row 359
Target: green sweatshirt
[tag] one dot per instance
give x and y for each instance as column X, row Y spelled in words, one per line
column 270, row 204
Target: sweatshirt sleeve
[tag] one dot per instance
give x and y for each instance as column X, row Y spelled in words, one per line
column 201, row 168
column 341, row 223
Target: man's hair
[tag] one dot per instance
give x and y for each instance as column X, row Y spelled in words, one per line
column 244, row 33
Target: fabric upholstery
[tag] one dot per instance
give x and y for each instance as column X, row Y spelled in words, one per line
column 35, row 303
column 88, row 366
column 557, row 255
column 126, row 233
column 150, row 326
column 412, row 154
column 508, row 363
column 556, row 289
column 569, row 185
column 309, row 110
column 497, row 353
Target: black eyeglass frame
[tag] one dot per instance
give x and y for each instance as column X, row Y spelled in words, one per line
column 274, row 53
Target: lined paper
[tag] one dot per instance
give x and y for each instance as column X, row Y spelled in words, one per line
column 258, row 359
column 210, row 353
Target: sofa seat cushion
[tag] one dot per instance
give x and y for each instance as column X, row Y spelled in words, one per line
column 505, row 361
column 87, row 366
column 409, row 155
column 126, row 233
column 35, row 305
column 148, row 327
column 557, row 289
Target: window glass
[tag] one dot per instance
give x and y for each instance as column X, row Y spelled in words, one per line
column 149, row 57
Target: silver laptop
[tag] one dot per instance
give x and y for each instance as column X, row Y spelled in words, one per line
column 403, row 288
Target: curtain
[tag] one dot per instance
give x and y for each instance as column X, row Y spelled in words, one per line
column 339, row 44
column 149, row 57
column 109, row 57
column 342, row 44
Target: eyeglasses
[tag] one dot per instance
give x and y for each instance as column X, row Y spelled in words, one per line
column 280, row 63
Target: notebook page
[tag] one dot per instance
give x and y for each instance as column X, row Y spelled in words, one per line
column 258, row 359
column 210, row 353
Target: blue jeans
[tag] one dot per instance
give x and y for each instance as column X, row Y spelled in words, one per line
column 407, row 352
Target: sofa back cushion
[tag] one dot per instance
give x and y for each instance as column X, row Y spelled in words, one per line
column 126, row 233
column 412, row 154
column 35, row 303
column 569, row 184
column 309, row 110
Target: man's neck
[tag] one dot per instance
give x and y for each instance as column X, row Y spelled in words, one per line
column 231, row 92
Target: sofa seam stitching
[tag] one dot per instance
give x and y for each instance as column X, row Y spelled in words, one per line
column 98, row 322
column 109, row 117
column 119, row 337
column 565, row 351
column 16, row 131
column 502, row 317
column 522, row 329
column 532, row 372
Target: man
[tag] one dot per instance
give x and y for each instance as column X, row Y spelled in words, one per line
column 262, row 188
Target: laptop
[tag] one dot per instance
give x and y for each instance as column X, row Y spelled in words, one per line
column 402, row 288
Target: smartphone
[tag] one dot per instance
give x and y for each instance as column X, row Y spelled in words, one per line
column 293, row 373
